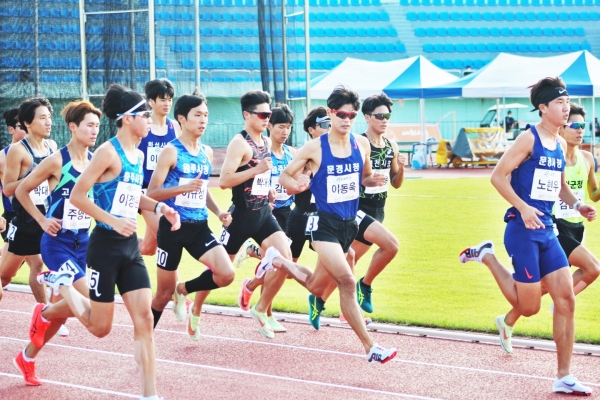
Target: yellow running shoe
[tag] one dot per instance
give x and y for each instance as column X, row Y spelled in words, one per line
column 193, row 330
column 505, row 333
column 263, row 322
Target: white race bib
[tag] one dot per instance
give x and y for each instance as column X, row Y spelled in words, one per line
column 280, row 191
column 195, row 199
column 73, row 218
column 312, row 224
column 127, row 200
column 380, row 189
column 312, row 199
column 563, row 210
column 261, row 184
column 152, row 157
column 546, row 185
column 342, row 187
column 40, row 193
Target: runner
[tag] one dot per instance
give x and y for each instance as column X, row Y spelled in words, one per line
column 181, row 180
column 65, row 237
column 338, row 160
column 24, row 234
column 115, row 175
column 535, row 163
column 159, row 93
column 247, row 171
column 386, row 160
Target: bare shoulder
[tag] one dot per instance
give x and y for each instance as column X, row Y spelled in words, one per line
column 362, row 141
column 52, row 144
column 588, row 157
column 209, row 152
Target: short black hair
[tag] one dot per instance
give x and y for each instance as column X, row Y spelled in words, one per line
column 282, row 114
column 342, row 95
column 540, row 89
column 11, row 117
column 372, row 102
column 188, row 101
column 27, row 110
column 251, row 99
column 118, row 100
column 576, row 109
column 311, row 119
column 162, row 88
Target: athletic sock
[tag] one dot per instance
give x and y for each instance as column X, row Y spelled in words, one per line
column 156, row 315
column 203, row 282
column 364, row 284
column 320, row 301
column 28, row 359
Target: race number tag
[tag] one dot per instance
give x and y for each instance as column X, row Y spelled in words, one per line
column 342, row 188
column 546, row 185
column 39, row 194
column 312, row 199
column 195, row 199
column 563, row 210
column 127, row 200
column 261, row 184
column 152, row 157
column 224, row 238
column 280, row 191
column 380, row 189
column 312, row 224
column 360, row 215
column 12, row 231
column 73, row 218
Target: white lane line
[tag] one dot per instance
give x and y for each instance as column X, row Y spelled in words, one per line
column 71, row 385
column 221, row 369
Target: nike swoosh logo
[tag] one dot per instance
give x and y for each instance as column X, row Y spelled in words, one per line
column 529, row 276
column 190, row 331
column 569, row 385
column 504, row 333
column 562, row 91
column 579, row 171
column 206, row 244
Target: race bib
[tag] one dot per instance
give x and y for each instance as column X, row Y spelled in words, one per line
column 312, row 224
column 563, row 210
column 280, row 191
column 261, row 184
column 195, row 199
column 546, row 185
column 342, row 187
column 380, row 189
column 152, row 157
column 73, row 218
column 39, row 194
column 127, row 200
column 312, row 199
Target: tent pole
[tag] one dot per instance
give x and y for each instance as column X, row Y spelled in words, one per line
column 422, row 113
column 593, row 130
column 497, row 112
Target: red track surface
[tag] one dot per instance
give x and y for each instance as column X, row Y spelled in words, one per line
column 232, row 361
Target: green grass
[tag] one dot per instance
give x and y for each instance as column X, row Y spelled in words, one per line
column 425, row 285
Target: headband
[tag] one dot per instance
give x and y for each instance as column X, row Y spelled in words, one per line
column 318, row 120
column 550, row 95
column 131, row 109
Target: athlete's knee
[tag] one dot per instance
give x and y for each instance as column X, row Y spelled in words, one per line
column 529, row 310
column 564, row 303
column 143, row 321
column 390, row 244
column 164, row 293
column 346, row 283
column 594, row 270
column 224, row 278
column 100, row 330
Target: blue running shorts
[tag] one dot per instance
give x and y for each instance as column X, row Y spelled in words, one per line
column 65, row 251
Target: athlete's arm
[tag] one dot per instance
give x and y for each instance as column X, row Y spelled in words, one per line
column 14, row 160
column 295, row 168
column 2, row 163
column 50, row 170
column 369, row 178
column 53, row 144
column 239, row 152
column 397, row 169
column 592, row 184
column 165, row 163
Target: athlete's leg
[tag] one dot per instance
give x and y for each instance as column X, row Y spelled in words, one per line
column 589, row 268
column 350, row 259
column 148, row 244
column 218, row 261
column 35, row 267
column 388, row 248
column 165, row 286
column 199, row 301
column 273, row 280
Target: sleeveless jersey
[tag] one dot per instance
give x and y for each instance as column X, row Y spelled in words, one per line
column 5, row 200
column 60, row 205
column 254, row 193
column 39, row 195
column 381, row 161
column 121, row 195
column 336, row 185
column 190, row 206
column 282, row 199
column 151, row 146
column 537, row 181
column 576, row 177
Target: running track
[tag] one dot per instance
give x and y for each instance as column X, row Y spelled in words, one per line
column 233, row 361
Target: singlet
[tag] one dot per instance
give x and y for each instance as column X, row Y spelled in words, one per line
column 576, row 177
column 190, row 206
column 254, row 193
column 61, row 208
column 282, row 199
column 336, row 185
column 121, row 195
column 381, row 162
column 6, row 200
column 537, row 181
column 40, row 194
column 151, row 146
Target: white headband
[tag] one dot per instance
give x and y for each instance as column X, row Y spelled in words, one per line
column 131, row 109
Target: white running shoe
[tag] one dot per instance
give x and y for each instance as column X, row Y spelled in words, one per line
column 476, row 253
column 505, row 333
column 275, row 325
column 570, row 384
column 63, row 331
column 266, row 264
column 179, row 302
column 56, row 279
column 242, row 255
column 193, row 328
column 263, row 321
column 379, row 354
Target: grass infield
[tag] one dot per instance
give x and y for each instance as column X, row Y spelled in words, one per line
column 424, row 285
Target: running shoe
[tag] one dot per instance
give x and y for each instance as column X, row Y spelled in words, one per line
column 245, row 295
column 505, row 333
column 363, row 294
column 569, row 384
column 242, row 255
column 275, row 325
column 38, row 328
column 315, row 308
column 63, row 331
column 56, row 279
column 27, row 369
column 179, row 302
column 379, row 354
column 193, row 330
column 343, row 319
column 263, row 322
column 476, row 253
column 266, row 264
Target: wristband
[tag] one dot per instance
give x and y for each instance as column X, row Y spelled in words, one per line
column 576, row 205
column 158, row 208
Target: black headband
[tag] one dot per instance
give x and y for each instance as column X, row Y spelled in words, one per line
column 550, row 95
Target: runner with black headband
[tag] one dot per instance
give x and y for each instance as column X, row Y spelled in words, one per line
column 115, row 174
column 535, row 164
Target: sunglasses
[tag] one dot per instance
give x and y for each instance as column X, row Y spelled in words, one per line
column 143, row 114
column 345, row 114
column 382, row 116
column 576, row 125
column 262, row 114
column 324, row 125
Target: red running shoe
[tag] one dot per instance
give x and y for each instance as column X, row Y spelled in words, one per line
column 27, row 369
column 37, row 329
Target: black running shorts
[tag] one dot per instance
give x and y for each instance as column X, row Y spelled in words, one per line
column 296, row 230
column 331, row 228
column 24, row 238
column 281, row 215
column 256, row 224
column 570, row 235
column 365, row 216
